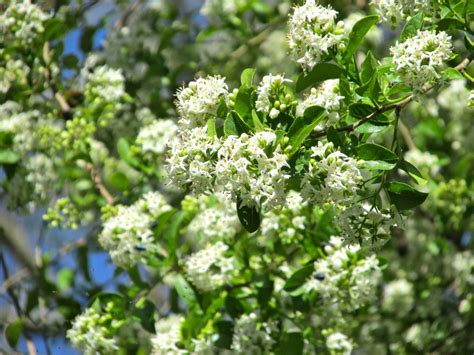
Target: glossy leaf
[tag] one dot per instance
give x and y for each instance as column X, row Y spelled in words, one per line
column 358, row 33
column 405, row 197
column 320, row 72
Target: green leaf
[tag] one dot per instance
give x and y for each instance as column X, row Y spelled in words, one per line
column 246, row 79
column 8, row 157
column 290, row 343
column 211, row 128
column 359, row 110
column 119, row 181
column 234, row 307
column 320, row 72
column 248, row 216
column 450, row 24
column 376, row 156
column 243, row 103
column 368, row 68
column 256, row 122
column 303, row 126
column 65, row 278
column 405, row 197
column 234, row 125
column 144, row 311
column 345, row 89
column 453, row 74
column 13, row 332
column 412, row 26
column 87, row 38
column 299, row 277
column 125, row 153
column 413, row 172
column 185, row 291
column 334, row 137
column 171, row 234
column 358, row 33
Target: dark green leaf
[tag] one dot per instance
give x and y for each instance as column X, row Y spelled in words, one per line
column 256, row 122
column 358, row 33
column 360, row 110
column 13, row 332
column 144, row 311
column 368, row 68
column 246, row 79
column 299, row 277
column 248, row 216
column 171, row 234
column 87, row 38
column 8, row 157
column 234, row 125
column 264, row 293
column 243, row 103
column 413, row 172
column 376, row 156
column 233, row 306
column 405, row 197
column 334, row 137
column 450, row 24
column 290, row 343
column 320, row 72
column 412, row 26
column 303, row 126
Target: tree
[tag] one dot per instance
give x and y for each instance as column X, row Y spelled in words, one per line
column 266, row 177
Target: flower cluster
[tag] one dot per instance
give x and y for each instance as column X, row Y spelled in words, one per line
column 90, row 332
column 327, row 95
column 128, row 235
column 252, row 336
column 64, row 214
column 344, row 278
column 209, row 268
column 216, row 9
column 41, row 175
column 215, row 220
column 338, row 343
column 22, row 22
column 168, row 334
column 395, row 11
column 289, row 223
column 200, row 100
column 332, row 176
column 155, row 138
column 247, row 169
column 272, row 98
column 419, row 59
column 398, row 297
column 313, row 32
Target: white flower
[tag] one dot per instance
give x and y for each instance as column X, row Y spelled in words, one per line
column 90, row 334
column 269, row 91
column 191, row 160
column 105, row 83
column 14, row 73
column 128, row 235
column 398, row 297
column 313, row 32
column 209, row 268
column 155, row 137
column 338, row 343
column 453, row 98
column 251, row 336
column 327, row 95
column 168, row 333
column 395, row 11
column 217, row 8
column 245, row 168
column 200, row 99
column 332, row 176
column 41, row 175
column 419, row 59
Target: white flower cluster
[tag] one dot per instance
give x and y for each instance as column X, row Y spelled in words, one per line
column 90, row 334
column 338, row 343
column 216, row 220
column 156, row 137
column 200, row 99
column 362, row 223
column 168, row 334
column 252, row 336
column 128, row 236
column 247, row 169
column 313, row 32
column 395, row 11
column 209, row 268
column 14, row 73
column 287, row 224
column 269, row 91
column 463, row 265
column 398, row 297
column 419, row 59
column 190, row 161
column 344, row 278
column 12, row 118
column 332, row 176
column 105, row 84
column 22, row 22
column 453, row 98
column 327, row 95
column 41, row 175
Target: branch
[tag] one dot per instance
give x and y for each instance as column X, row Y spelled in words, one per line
column 400, row 105
column 99, row 184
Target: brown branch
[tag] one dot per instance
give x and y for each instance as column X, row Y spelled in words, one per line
column 99, row 184
column 399, row 105
column 405, row 132
column 65, row 108
column 122, row 21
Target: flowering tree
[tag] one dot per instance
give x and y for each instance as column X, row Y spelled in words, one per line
column 308, row 189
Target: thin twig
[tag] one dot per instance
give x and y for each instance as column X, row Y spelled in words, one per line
column 405, row 132
column 99, row 184
column 65, row 108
